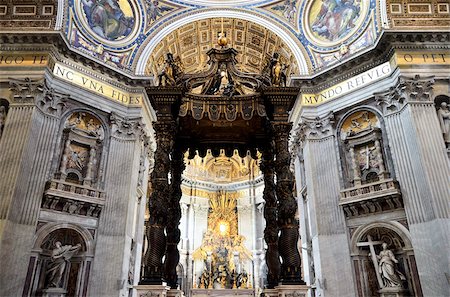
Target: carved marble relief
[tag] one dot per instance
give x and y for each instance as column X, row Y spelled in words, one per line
column 83, row 135
column 361, row 137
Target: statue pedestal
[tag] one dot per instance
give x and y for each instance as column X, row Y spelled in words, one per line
column 152, row 290
column 287, row 290
column 393, row 292
column 54, row 292
column 222, row 292
column 175, row 293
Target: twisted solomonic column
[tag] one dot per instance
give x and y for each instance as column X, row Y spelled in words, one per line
column 287, row 207
column 173, row 221
column 159, row 199
column 270, row 215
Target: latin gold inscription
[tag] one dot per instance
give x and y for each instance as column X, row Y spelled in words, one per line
column 96, row 86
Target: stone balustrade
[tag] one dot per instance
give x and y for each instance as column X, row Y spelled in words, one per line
column 379, row 196
column 72, row 198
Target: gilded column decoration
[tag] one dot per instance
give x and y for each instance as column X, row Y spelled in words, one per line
column 158, row 202
column 287, row 207
column 270, row 215
column 173, row 220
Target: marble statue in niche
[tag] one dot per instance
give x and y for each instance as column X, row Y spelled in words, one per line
column 2, row 118
column 60, row 257
column 387, row 268
column 444, row 120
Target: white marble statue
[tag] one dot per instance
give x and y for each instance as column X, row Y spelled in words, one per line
column 60, row 257
column 444, row 120
column 386, row 266
column 2, row 119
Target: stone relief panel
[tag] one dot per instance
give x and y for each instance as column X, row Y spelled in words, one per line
column 361, row 139
column 408, row 14
column 83, row 136
column 32, row 15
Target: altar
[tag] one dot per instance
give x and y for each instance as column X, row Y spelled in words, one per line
column 223, row 292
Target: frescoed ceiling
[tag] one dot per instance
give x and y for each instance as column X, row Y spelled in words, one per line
column 131, row 36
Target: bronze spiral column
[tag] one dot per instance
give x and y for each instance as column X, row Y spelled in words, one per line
column 270, row 215
column 287, row 207
column 157, row 204
column 173, row 220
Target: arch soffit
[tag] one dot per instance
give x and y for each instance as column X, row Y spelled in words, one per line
column 392, row 225
column 290, row 40
column 45, row 230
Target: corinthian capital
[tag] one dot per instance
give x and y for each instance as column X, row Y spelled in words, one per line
column 407, row 89
column 25, row 90
column 315, row 128
column 52, row 102
column 125, row 128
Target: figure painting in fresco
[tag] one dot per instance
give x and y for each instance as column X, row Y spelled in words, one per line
column 155, row 10
column 336, row 18
column 288, row 8
column 108, row 19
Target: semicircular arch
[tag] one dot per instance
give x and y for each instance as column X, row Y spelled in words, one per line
column 288, row 38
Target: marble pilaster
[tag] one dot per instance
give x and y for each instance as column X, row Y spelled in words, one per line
column 331, row 254
column 423, row 171
column 27, row 148
column 111, row 263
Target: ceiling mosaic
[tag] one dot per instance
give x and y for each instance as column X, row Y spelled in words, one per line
column 321, row 32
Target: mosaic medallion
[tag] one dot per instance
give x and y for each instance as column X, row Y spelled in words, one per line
column 110, row 21
column 330, row 22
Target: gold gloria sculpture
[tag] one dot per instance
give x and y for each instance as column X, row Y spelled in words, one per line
column 222, row 247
